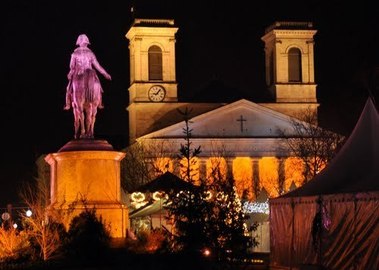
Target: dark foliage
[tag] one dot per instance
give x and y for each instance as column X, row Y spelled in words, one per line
column 88, row 238
column 209, row 216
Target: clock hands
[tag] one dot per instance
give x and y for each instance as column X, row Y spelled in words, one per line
column 156, row 93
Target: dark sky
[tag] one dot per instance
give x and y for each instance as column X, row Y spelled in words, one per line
column 218, row 43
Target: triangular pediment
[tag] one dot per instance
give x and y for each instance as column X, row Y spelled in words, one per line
column 240, row 119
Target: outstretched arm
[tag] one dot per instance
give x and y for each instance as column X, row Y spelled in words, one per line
column 100, row 68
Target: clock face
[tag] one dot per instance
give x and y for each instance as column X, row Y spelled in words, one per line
column 157, row 93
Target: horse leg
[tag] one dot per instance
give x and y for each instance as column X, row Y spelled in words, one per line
column 76, row 121
column 76, row 126
column 78, row 102
column 87, row 121
column 93, row 106
column 93, row 118
column 91, row 112
column 82, row 126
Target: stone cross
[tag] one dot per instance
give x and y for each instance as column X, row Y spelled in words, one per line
column 241, row 120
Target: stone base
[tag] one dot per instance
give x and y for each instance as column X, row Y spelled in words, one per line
column 86, row 173
column 86, row 145
column 114, row 216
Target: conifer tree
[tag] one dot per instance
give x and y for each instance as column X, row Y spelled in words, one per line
column 209, row 215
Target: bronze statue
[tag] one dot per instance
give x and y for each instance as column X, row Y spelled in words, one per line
column 84, row 91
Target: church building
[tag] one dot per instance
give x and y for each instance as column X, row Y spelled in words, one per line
column 242, row 138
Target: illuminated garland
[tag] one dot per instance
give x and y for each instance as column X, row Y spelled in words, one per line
column 208, row 195
column 137, row 197
column 137, row 205
column 256, row 207
column 157, row 195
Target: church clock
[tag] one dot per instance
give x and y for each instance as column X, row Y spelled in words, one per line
column 157, row 93
column 153, row 89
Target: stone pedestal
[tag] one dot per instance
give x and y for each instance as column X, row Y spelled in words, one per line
column 86, row 173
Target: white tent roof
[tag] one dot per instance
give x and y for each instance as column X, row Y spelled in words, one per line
column 356, row 166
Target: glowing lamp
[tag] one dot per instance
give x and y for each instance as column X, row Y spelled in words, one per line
column 5, row 216
column 29, row 213
column 206, row 252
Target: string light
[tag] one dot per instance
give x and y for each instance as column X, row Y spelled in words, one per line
column 137, row 197
column 139, row 204
column 256, row 207
column 208, row 195
column 157, row 195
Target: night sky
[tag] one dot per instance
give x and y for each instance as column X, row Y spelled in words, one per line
column 218, row 48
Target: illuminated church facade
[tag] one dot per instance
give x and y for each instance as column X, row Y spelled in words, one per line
column 242, row 138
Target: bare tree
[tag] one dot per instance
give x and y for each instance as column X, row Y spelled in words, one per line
column 134, row 169
column 314, row 145
column 143, row 162
column 44, row 226
column 13, row 243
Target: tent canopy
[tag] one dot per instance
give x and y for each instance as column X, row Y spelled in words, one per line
column 356, row 166
column 332, row 221
column 166, row 182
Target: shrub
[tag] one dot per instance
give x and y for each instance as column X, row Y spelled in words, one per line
column 88, row 238
column 14, row 244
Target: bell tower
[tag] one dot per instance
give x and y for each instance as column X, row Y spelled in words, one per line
column 152, row 72
column 289, row 58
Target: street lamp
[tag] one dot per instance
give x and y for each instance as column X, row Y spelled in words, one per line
column 29, row 213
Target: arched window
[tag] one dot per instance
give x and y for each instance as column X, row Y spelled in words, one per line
column 294, row 65
column 155, row 63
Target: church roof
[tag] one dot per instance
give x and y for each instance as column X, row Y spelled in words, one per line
column 356, row 166
column 286, row 25
column 239, row 119
column 153, row 22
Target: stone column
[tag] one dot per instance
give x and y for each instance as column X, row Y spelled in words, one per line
column 229, row 165
column 281, row 175
column 203, row 168
column 256, row 180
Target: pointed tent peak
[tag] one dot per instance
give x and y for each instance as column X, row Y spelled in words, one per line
column 370, row 105
column 366, row 129
column 355, row 168
column 263, row 196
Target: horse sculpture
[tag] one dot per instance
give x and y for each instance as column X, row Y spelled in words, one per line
column 84, row 91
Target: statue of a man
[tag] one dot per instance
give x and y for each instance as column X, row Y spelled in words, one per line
column 84, row 91
column 83, row 60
